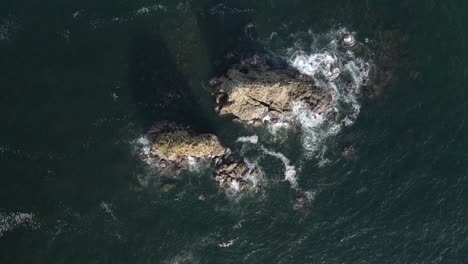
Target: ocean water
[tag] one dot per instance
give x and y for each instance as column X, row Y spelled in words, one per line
column 81, row 81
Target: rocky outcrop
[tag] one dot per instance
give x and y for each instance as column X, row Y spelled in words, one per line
column 255, row 94
column 235, row 173
column 175, row 148
column 177, row 144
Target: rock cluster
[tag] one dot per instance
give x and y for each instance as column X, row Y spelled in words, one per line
column 255, row 95
column 174, row 147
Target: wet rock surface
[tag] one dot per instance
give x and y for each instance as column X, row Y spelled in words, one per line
column 175, row 148
column 235, row 173
column 255, row 94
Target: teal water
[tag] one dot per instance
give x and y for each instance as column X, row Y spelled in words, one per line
column 81, row 80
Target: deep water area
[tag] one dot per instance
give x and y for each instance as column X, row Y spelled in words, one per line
column 81, row 82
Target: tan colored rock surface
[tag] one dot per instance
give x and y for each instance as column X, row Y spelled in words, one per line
column 173, row 146
column 179, row 145
column 253, row 94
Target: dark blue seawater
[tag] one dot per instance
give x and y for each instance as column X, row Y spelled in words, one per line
column 81, row 80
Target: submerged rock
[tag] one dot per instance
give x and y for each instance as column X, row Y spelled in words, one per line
column 175, row 148
column 349, row 153
column 167, row 187
column 254, row 94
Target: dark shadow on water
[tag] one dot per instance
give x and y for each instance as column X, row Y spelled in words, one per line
column 159, row 89
column 225, row 32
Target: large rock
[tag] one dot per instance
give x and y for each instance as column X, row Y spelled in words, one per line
column 174, row 148
column 255, row 94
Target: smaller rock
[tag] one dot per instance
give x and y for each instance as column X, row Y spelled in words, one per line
column 175, row 148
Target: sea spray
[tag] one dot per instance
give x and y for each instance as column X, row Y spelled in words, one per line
column 335, row 67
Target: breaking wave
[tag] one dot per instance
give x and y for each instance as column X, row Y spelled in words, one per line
column 142, row 147
column 338, row 63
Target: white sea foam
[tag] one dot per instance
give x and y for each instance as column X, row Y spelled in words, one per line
column 148, row 9
column 252, row 139
column 256, row 180
column 289, row 170
column 325, row 63
column 278, row 128
column 335, row 67
column 316, row 129
column 11, row 221
column 191, row 161
column 234, row 185
column 76, row 14
column 142, row 147
column 145, row 143
column 227, row 244
column 331, row 59
column 349, row 40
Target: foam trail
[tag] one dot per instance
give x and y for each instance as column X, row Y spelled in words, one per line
column 316, row 129
column 290, row 171
column 227, row 244
column 252, row 139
